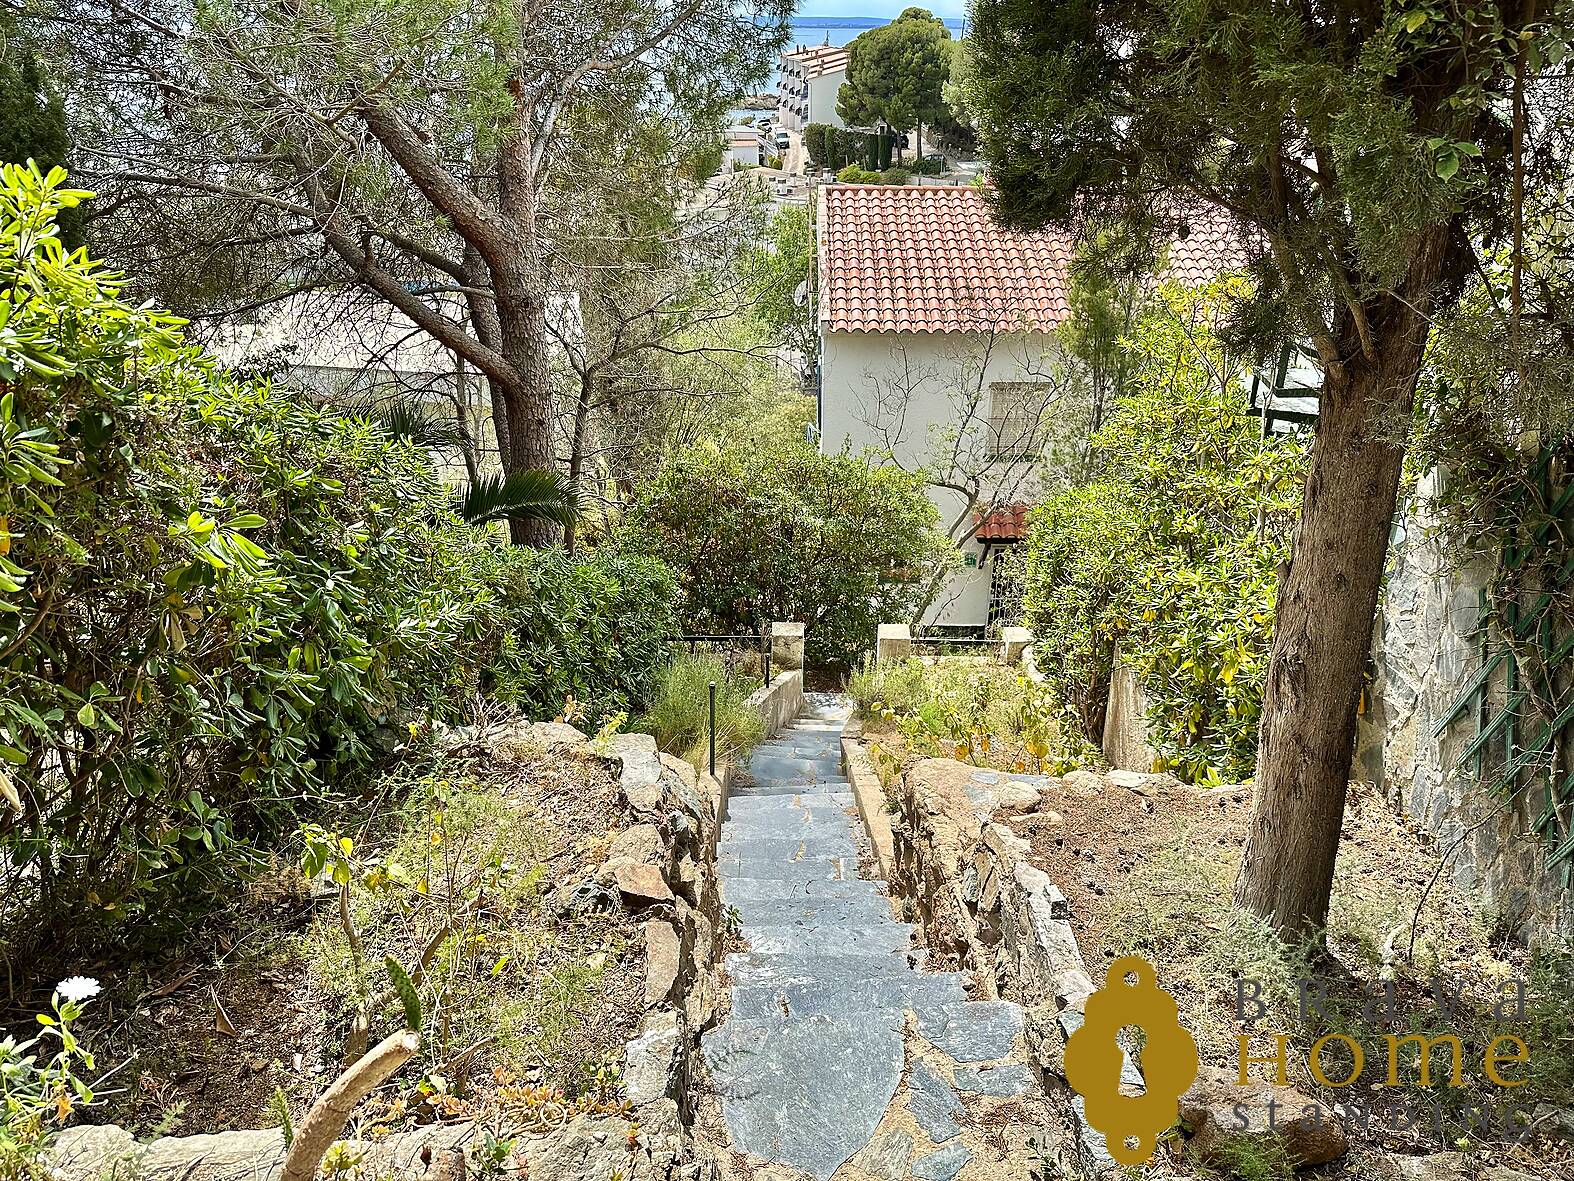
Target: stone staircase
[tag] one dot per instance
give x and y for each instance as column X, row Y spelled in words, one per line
column 841, row 1056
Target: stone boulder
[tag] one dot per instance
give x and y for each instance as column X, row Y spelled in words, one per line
column 1215, row 1108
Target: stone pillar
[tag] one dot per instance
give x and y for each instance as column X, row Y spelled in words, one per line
column 895, row 643
column 1013, row 642
column 786, row 647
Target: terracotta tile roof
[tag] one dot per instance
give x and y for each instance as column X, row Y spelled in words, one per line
column 931, row 258
column 1006, row 523
column 1211, row 247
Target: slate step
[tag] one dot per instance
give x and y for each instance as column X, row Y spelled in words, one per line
column 774, row 787
column 806, row 745
column 747, row 967
column 770, row 846
column 825, row 802
column 738, row 890
column 869, row 940
column 789, row 826
column 896, row 995
column 774, row 1078
column 763, row 764
column 979, row 1031
column 790, row 875
column 813, row 912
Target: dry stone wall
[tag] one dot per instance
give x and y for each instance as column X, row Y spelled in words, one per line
column 663, row 868
column 1426, row 648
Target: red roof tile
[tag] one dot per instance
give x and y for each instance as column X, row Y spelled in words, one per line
column 1006, row 523
column 931, row 258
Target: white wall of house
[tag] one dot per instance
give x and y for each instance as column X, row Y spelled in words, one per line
column 745, row 148
column 904, row 392
column 822, row 98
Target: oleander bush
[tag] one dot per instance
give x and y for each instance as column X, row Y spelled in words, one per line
column 1167, row 557
column 220, row 603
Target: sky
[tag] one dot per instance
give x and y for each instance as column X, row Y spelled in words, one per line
column 884, row 8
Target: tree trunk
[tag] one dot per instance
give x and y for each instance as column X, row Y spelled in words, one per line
column 521, row 314
column 576, row 453
column 1327, row 604
column 520, row 285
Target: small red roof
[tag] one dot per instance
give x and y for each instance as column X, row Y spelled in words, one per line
column 932, row 258
column 1006, row 523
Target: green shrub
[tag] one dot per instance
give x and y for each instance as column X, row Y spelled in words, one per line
column 592, row 627
column 854, row 175
column 877, row 689
column 1170, row 553
column 834, row 147
column 895, row 176
column 218, row 603
column 679, row 714
column 785, row 533
column 214, row 593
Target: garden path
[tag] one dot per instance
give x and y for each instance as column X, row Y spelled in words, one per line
column 841, row 1056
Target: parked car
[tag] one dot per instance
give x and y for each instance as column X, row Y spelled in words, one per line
column 783, row 141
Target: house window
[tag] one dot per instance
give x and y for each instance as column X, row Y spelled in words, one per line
column 1017, row 411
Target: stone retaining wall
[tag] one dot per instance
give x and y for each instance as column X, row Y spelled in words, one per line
column 1427, row 646
column 662, row 868
column 966, row 879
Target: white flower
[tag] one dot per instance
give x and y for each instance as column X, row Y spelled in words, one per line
column 78, row 988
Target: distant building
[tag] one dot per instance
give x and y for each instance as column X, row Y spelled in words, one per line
column 357, row 352
column 806, row 89
column 745, row 147
column 938, row 349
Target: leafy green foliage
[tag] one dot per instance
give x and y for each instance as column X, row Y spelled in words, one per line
column 217, row 601
column 37, row 1094
column 32, row 117
column 405, row 989
column 784, row 533
column 973, row 710
column 834, row 147
column 1170, row 554
column 679, row 713
column 214, row 593
column 895, row 73
column 591, row 627
column 545, row 496
column 1399, row 112
column 780, row 273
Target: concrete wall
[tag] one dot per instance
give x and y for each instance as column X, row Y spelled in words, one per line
column 1126, row 745
column 779, row 702
column 1426, row 648
column 904, row 392
column 822, row 98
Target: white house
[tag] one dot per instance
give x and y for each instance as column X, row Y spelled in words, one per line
column 351, row 350
column 746, row 147
column 806, row 87
column 938, row 351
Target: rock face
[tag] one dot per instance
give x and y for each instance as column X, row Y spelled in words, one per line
column 1215, row 1108
column 1426, row 649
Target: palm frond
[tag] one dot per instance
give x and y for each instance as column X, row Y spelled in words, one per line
column 524, row 496
column 408, row 418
